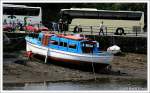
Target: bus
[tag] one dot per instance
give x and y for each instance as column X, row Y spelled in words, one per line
column 12, row 14
column 117, row 22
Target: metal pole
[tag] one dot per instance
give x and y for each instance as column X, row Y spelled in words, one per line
column 106, row 31
column 91, row 30
column 136, row 31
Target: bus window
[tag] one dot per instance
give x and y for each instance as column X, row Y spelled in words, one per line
column 17, row 13
column 21, row 11
column 134, row 16
column 91, row 14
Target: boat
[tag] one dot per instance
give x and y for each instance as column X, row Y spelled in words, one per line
column 69, row 49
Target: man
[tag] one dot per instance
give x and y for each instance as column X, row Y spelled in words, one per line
column 25, row 23
column 102, row 27
column 60, row 24
column 75, row 29
column 54, row 25
column 79, row 28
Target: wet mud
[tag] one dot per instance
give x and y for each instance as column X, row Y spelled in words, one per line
column 17, row 68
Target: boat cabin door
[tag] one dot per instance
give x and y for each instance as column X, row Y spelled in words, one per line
column 45, row 39
column 87, row 47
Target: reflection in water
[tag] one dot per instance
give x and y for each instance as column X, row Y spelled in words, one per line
column 91, row 85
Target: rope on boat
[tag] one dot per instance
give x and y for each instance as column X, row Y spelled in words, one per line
column 29, row 57
column 46, row 55
column 93, row 67
column 92, row 61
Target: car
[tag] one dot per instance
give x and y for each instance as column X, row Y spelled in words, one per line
column 30, row 28
column 43, row 28
column 36, row 28
column 7, row 27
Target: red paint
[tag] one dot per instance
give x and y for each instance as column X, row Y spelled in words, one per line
column 29, row 54
column 35, row 28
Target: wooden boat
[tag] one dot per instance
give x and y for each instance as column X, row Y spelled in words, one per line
column 73, row 49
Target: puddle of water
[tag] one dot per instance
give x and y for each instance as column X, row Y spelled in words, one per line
column 58, row 86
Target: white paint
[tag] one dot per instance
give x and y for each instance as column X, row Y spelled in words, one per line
column 67, row 55
column 114, row 49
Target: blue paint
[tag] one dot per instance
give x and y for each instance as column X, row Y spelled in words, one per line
column 63, row 44
column 52, row 45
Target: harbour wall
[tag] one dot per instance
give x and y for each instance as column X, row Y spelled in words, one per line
column 127, row 44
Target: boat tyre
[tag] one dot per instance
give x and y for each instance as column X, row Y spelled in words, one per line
column 106, row 70
column 119, row 31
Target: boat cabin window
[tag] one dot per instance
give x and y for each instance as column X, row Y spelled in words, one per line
column 64, row 44
column 72, row 46
column 53, row 42
column 87, row 47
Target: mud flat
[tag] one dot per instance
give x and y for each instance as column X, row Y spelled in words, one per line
column 133, row 67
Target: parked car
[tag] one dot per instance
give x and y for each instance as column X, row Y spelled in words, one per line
column 7, row 27
column 36, row 28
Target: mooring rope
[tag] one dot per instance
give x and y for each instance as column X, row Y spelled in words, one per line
column 46, row 56
column 93, row 67
column 93, row 63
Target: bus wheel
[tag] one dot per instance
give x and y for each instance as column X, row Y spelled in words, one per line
column 119, row 31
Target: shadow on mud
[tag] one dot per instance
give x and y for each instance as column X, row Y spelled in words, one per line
column 85, row 68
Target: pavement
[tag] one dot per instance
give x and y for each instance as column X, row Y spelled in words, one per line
column 142, row 34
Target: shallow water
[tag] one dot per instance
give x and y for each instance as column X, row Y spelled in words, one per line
column 92, row 85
